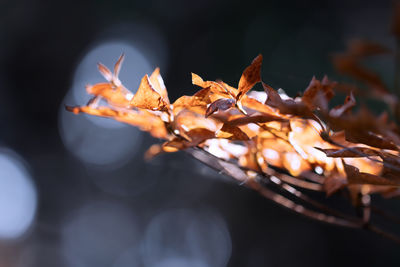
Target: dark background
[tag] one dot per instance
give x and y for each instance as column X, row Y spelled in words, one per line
column 170, row 211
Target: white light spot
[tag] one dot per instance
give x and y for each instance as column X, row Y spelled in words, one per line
column 185, row 128
column 259, row 96
column 295, row 164
column 129, row 96
column 18, row 197
column 270, row 154
column 294, row 161
column 275, row 180
column 319, row 170
column 254, row 127
column 283, row 94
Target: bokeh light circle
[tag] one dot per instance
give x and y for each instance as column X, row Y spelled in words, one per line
column 18, row 196
column 183, row 235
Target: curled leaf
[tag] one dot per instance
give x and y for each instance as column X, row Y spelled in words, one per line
column 244, row 120
column 147, row 97
column 220, row 104
column 158, row 84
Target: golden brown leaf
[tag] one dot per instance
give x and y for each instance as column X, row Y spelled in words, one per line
column 147, row 97
column 215, row 87
column 244, row 120
column 232, row 133
column 318, row 93
column 114, row 96
column 142, row 119
column 220, row 104
column 251, row 75
column 196, row 137
column 354, row 176
column 350, row 152
column 158, row 84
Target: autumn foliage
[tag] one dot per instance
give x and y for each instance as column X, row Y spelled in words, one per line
column 266, row 137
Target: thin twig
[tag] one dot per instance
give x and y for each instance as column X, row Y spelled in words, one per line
column 382, row 233
column 297, row 208
column 392, row 217
column 238, row 174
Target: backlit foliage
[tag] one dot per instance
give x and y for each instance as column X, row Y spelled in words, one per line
column 263, row 138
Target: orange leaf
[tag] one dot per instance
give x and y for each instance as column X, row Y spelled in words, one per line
column 216, row 88
column 115, row 96
column 232, row 133
column 147, row 97
column 142, row 119
column 250, row 76
column 350, row 152
column 158, row 84
column 354, row 176
column 196, row 136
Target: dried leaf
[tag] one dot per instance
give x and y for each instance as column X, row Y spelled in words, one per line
column 158, row 84
column 232, row 133
column 220, row 104
column 153, row 151
column 318, row 93
column 215, row 87
column 338, row 111
column 105, row 72
column 349, row 63
column 118, row 65
column 250, row 76
column 371, row 139
column 350, row 152
column 197, row 102
column 114, row 96
column 196, row 136
column 244, row 120
column 147, row 97
column 354, row 176
column 334, row 183
column 142, row 119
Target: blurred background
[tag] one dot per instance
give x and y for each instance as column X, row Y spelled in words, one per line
column 75, row 190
